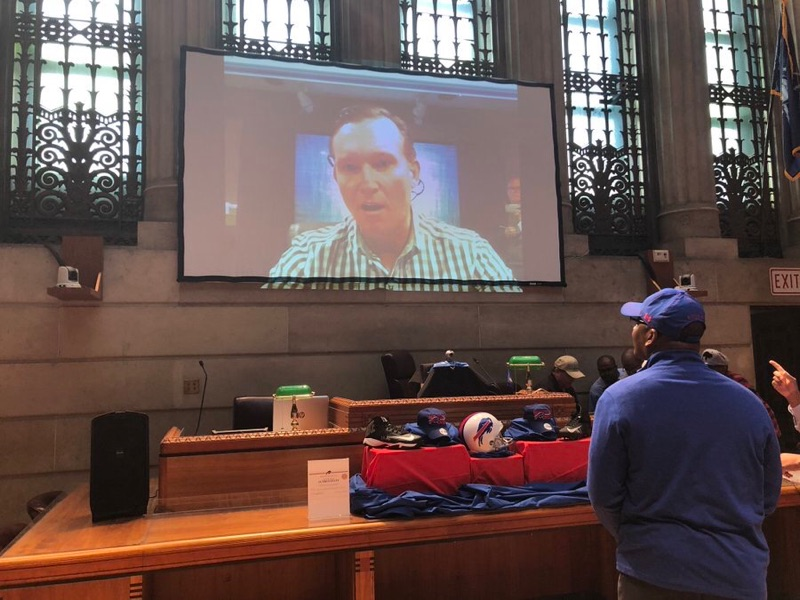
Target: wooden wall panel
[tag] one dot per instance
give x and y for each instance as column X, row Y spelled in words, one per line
column 515, row 567
column 107, row 589
column 305, row 577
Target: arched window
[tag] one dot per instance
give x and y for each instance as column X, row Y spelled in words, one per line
column 75, row 127
column 607, row 173
column 743, row 163
column 447, row 36
column 294, row 28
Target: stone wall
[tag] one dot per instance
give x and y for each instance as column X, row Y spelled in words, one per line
column 62, row 363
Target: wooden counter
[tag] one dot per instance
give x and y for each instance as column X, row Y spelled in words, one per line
column 357, row 413
column 246, row 469
column 269, row 468
column 246, row 553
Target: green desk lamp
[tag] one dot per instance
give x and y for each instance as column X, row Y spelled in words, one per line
column 526, row 363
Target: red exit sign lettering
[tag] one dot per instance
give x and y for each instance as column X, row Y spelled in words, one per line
column 784, row 282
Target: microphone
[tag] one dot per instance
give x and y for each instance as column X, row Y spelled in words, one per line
column 202, row 398
column 494, row 387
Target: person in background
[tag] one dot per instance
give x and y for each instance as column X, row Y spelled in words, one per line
column 376, row 168
column 716, row 360
column 786, row 385
column 609, row 373
column 565, row 370
column 629, row 361
column 512, row 226
column 683, row 466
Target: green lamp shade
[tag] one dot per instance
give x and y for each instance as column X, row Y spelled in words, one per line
column 524, row 362
column 293, row 390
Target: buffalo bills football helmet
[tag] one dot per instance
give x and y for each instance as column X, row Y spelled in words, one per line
column 482, row 432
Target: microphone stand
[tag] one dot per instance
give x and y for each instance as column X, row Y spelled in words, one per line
column 202, row 398
column 491, row 383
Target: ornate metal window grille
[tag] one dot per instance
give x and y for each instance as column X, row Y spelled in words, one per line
column 607, row 174
column 452, row 37
column 75, row 128
column 744, row 167
column 293, row 28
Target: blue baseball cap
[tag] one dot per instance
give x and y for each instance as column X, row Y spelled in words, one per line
column 669, row 312
column 432, row 422
column 537, row 424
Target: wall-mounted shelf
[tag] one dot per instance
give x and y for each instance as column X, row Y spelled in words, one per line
column 85, row 253
column 660, row 270
column 660, row 273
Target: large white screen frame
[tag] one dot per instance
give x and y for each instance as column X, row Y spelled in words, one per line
column 247, row 120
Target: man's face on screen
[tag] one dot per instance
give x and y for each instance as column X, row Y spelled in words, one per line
column 513, row 191
column 374, row 176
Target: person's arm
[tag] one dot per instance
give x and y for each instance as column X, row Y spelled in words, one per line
column 773, row 475
column 594, row 396
column 786, row 385
column 608, row 467
column 488, row 264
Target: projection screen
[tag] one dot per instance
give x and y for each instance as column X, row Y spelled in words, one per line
column 323, row 174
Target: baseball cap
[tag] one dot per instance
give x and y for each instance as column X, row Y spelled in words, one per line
column 569, row 364
column 668, row 311
column 432, row 424
column 536, row 425
column 714, row 358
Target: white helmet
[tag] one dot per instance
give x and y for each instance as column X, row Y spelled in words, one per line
column 482, row 432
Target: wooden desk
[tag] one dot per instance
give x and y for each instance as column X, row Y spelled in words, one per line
column 258, row 469
column 357, row 413
column 246, row 469
column 250, row 553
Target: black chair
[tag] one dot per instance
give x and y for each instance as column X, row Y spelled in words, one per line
column 252, row 412
column 8, row 533
column 459, row 380
column 39, row 504
column 399, row 367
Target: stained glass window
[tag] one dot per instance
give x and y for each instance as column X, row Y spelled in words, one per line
column 293, row 28
column 75, row 152
column 603, row 113
column 743, row 163
column 447, row 36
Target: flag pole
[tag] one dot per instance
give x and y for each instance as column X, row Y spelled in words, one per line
column 765, row 202
column 786, row 85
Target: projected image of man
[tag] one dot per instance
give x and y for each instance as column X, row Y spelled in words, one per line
column 376, row 169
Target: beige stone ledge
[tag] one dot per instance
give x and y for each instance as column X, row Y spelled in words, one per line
column 157, row 235
column 154, row 330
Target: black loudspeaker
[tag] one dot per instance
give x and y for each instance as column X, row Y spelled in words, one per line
column 119, row 479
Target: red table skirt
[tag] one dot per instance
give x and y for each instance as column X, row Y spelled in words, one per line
column 508, row 470
column 444, row 470
column 429, row 470
column 558, row 461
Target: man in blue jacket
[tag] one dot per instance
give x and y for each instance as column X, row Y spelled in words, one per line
column 684, row 465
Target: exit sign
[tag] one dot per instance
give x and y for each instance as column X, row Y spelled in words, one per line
column 784, row 282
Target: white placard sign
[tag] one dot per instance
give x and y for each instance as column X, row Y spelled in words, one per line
column 784, row 282
column 329, row 490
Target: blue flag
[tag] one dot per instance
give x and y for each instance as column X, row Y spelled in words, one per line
column 786, row 85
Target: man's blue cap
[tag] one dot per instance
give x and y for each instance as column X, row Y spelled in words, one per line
column 433, row 424
column 668, row 311
column 537, row 424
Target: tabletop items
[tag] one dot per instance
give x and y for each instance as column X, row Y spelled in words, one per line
column 481, row 432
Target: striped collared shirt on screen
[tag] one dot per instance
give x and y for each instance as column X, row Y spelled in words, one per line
column 435, row 251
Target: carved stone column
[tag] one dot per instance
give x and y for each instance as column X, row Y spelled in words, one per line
column 682, row 132
column 169, row 25
column 369, row 32
column 533, row 49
